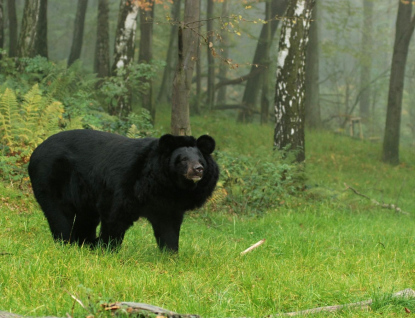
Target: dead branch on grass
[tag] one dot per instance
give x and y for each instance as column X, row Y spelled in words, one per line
column 145, row 310
column 382, row 205
column 406, row 293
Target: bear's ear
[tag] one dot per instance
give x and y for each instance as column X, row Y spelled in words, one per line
column 167, row 143
column 206, row 144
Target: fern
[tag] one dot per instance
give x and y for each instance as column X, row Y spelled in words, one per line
column 9, row 119
column 24, row 126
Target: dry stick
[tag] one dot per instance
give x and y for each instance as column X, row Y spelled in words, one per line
column 408, row 293
column 253, row 247
column 382, row 205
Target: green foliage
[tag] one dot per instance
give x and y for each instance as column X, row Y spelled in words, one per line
column 128, row 80
column 23, row 125
column 257, row 183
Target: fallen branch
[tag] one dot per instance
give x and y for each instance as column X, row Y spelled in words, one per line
column 382, row 205
column 253, row 247
column 146, row 310
column 406, row 293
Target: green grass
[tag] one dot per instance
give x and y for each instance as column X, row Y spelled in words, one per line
column 325, row 246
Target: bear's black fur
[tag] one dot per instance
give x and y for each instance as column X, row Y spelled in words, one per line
column 84, row 177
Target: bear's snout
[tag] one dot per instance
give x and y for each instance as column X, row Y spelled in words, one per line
column 195, row 172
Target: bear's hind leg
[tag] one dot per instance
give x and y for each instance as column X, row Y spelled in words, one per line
column 84, row 230
column 60, row 218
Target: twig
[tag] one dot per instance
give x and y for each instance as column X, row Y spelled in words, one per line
column 79, row 302
column 382, row 205
column 408, row 293
column 253, row 247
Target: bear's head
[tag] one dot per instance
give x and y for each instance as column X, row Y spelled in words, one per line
column 188, row 158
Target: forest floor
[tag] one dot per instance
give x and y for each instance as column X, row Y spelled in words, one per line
column 328, row 245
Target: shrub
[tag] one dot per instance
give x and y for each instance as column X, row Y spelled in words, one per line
column 256, row 184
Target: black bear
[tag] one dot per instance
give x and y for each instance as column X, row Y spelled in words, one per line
column 84, row 177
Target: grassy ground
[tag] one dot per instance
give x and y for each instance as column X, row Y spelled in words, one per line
column 326, row 246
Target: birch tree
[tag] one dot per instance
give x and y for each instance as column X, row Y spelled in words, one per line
column 405, row 25
column 187, row 52
column 289, row 92
column 124, row 50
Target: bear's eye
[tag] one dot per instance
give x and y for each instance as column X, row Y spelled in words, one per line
column 183, row 159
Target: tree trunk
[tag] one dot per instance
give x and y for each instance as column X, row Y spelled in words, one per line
column 210, row 57
column 405, row 25
column 124, row 50
column 11, row 8
column 195, row 107
column 366, row 69
column 166, row 83
column 146, row 54
column 42, row 41
column 223, row 67
column 102, row 58
column 1, row 26
column 187, row 50
column 289, row 92
column 253, row 85
column 312, row 87
column 32, row 40
column 78, row 33
column 267, row 63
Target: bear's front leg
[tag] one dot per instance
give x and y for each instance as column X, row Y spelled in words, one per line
column 166, row 232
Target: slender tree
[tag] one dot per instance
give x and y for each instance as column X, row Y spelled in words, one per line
column 289, row 92
column 312, row 87
column 102, row 58
column 11, row 10
column 187, row 50
column 168, row 74
column 366, row 68
column 32, row 40
column 1, row 26
column 210, row 57
column 405, row 24
column 253, row 84
column 223, row 67
column 195, row 107
column 78, row 33
column 124, row 50
column 146, row 53
column 266, row 65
